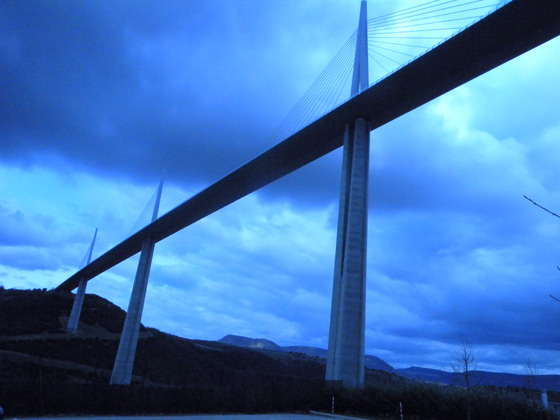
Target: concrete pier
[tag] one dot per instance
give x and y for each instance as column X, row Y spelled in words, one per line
column 74, row 319
column 339, row 253
column 124, row 362
column 345, row 356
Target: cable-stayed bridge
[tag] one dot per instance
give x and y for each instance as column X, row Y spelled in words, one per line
column 508, row 32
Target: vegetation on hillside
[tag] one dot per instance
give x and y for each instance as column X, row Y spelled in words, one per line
column 46, row 371
column 435, row 402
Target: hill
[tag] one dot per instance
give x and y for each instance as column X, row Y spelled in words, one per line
column 33, row 323
column 371, row 362
column 33, row 328
column 39, row 358
column 479, row 377
column 46, row 371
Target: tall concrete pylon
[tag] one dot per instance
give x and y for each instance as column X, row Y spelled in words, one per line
column 124, row 362
column 345, row 356
column 80, row 294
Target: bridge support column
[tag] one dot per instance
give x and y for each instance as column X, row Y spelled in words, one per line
column 345, row 356
column 124, row 362
column 77, row 308
column 74, row 319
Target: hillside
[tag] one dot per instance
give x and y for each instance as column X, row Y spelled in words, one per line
column 32, row 323
column 32, row 328
column 46, row 371
column 38, row 356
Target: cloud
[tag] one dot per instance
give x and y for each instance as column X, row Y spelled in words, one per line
column 139, row 89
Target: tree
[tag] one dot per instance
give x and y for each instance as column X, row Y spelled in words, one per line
column 531, row 373
column 464, row 363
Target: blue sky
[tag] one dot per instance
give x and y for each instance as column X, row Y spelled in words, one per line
column 99, row 97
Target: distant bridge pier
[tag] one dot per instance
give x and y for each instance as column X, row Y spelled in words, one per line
column 124, row 362
column 74, row 319
column 345, row 356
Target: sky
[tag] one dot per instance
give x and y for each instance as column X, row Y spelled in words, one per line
column 99, row 98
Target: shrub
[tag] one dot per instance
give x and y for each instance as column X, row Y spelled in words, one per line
column 435, row 402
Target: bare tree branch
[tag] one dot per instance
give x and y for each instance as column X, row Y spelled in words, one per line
column 554, row 214
column 538, row 205
column 531, row 375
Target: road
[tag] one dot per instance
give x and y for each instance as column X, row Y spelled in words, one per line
column 204, row 417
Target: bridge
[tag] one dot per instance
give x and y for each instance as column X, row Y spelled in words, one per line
column 511, row 30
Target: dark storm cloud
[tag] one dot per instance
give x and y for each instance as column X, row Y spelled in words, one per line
column 65, row 71
column 133, row 88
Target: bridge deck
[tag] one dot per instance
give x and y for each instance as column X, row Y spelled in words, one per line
column 503, row 35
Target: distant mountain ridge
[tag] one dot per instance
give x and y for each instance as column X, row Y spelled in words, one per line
column 371, row 362
column 480, row 377
column 549, row 382
column 251, row 343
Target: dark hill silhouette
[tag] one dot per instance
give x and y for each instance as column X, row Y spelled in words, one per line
column 33, row 323
column 45, row 370
column 33, row 330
